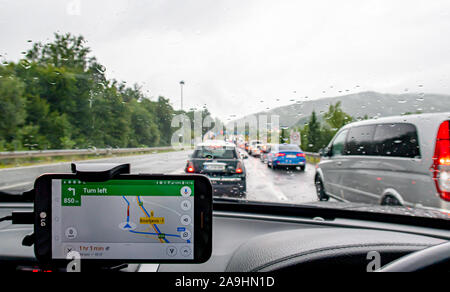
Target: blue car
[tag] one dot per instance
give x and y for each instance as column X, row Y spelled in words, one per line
column 286, row 155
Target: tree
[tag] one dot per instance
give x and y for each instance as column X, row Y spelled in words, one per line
column 110, row 124
column 336, row 118
column 164, row 113
column 12, row 104
column 313, row 135
column 55, row 127
column 58, row 96
column 66, row 50
column 144, row 129
column 316, row 136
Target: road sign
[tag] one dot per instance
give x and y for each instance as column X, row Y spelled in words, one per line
column 295, row 138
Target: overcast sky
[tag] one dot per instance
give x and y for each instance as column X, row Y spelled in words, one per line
column 239, row 56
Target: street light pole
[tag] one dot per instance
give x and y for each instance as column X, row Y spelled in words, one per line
column 181, row 85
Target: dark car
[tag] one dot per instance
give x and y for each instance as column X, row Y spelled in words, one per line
column 221, row 162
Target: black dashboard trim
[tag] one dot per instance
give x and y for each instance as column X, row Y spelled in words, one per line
column 351, row 223
column 333, row 249
column 327, row 214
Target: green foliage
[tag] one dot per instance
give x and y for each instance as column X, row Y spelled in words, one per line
column 143, row 127
column 59, row 97
column 316, row 136
column 28, row 137
column 313, row 135
column 163, row 117
column 412, row 113
column 12, row 103
column 336, row 118
column 284, row 136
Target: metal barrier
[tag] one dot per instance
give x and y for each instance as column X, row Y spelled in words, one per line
column 312, row 154
column 312, row 157
column 71, row 152
column 93, row 151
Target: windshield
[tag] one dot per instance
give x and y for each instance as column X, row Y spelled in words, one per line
column 328, row 103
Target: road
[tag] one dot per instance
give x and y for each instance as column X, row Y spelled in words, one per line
column 280, row 185
column 263, row 183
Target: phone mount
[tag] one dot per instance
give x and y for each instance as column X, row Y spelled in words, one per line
column 98, row 172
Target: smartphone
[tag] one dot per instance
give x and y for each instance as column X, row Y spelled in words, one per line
column 129, row 219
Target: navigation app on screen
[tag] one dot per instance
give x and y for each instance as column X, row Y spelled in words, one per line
column 123, row 219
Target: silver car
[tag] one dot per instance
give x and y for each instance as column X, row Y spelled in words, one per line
column 402, row 160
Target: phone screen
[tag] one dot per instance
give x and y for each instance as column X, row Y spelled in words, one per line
column 123, row 219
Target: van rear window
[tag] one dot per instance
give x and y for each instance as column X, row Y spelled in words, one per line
column 398, row 140
column 360, row 141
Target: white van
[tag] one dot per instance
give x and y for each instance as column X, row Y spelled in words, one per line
column 402, row 160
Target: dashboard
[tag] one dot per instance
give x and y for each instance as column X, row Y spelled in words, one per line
column 246, row 242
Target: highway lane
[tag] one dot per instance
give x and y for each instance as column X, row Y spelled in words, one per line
column 263, row 183
column 21, row 178
column 279, row 185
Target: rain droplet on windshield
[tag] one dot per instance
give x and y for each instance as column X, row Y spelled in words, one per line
column 25, row 64
column 101, row 69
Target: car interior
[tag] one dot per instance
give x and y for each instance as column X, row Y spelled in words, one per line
column 258, row 237
column 209, row 140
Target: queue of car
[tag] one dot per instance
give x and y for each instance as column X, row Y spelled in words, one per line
column 397, row 161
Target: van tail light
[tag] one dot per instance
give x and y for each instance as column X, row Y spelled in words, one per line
column 239, row 168
column 301, row 155
column 281, row 154
column 441, row 161
column 190, row 167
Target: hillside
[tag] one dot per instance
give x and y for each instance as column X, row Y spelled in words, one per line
column 364, row 103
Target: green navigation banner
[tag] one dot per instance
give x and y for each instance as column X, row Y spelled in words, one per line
column 73, row 190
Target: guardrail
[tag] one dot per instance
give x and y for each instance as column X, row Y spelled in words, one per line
column 71, row 152
column 312, row 154
column 312, row 157
column 93, row 151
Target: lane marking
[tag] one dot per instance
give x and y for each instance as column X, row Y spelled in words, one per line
column 273, row 189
